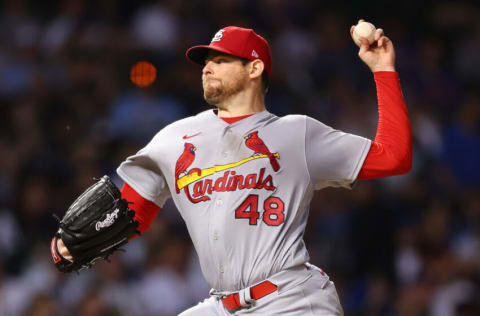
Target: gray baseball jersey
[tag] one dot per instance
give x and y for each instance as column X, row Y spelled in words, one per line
column 244, row 189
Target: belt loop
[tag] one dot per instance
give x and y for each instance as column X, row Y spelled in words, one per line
column 216, row 293
column 245, row 297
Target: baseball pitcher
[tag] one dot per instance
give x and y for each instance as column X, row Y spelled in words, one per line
column 242, row 179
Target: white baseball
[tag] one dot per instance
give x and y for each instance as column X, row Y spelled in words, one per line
column 364, row 29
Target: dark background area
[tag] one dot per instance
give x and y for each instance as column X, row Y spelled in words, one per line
column 406, row 245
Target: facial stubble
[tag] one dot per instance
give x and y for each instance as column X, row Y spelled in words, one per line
column 216, row 94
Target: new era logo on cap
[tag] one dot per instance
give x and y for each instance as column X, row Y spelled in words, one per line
column 235, row 41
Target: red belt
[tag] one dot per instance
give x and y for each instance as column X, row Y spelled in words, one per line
column 232, row 301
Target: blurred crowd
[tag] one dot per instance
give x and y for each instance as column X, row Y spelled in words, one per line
column 406, row 245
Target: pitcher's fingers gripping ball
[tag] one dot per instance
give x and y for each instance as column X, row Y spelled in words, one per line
column 94, row 226
column 366, row 30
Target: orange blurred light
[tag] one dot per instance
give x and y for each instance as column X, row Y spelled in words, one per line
column 143, row 74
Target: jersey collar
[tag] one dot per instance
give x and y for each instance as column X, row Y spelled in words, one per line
column 257, row 117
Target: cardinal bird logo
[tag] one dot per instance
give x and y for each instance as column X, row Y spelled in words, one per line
column 184, row 162
column 256, row 144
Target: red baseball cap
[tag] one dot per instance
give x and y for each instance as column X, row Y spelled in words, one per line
column 235, row 41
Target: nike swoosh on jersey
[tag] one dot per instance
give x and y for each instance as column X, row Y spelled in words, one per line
column 187, row 137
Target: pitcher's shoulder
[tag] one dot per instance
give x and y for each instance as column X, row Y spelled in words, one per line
column 199, row 118
column 177, row 129
column 292, row 120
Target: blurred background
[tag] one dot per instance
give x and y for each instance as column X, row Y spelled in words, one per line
column 407, row 245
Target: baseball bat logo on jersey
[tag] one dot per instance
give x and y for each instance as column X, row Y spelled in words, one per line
column 229, row 181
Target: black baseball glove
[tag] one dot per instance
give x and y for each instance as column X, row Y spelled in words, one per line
column 94, row 226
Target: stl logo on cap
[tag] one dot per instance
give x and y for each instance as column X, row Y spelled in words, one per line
column 218, row 36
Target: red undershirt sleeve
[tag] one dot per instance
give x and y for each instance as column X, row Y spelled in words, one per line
column 391, row 152
column 145, row 210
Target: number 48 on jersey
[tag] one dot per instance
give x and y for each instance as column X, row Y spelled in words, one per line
column 273, row 210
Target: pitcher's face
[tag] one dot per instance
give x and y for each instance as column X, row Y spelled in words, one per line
column 222, row 77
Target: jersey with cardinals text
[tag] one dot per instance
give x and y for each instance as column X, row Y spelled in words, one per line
column 244, row 189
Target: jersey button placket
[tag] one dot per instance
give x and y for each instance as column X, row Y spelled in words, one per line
column 219, row 208
column 229, row 132
column 216, row 236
